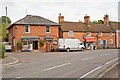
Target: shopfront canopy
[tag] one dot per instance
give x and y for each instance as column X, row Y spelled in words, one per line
column 47, row 38
column 89, row 39
column 30, row 38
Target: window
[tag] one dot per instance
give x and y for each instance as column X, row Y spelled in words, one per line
column 110, row 41
column 70, row 33
column 99, row 34
column 100, row 42
column 88, row 34
column 47, row 28
column 110, row 34
column 27, row 29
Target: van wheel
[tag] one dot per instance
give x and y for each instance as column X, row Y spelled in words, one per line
column 82, row 49
column 68, row 50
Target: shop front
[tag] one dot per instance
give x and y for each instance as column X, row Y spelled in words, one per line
column 90, row 42
column 30, row 42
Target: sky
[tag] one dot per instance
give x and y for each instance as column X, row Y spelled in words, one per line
column 72, row 10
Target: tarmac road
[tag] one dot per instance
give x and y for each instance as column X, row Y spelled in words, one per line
column 86, row 64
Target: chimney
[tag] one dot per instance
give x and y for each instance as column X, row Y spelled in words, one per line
column 106, row 20
column 60, row 18
column 86, row 19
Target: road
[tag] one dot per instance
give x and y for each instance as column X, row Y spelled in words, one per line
column 80, row 64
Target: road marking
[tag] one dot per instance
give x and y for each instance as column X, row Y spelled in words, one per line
column 98, row 68
column 90, row 72
column 111, row 61
column 100, row 76
column 88, row 58
column 56, row 66
column 14, row 65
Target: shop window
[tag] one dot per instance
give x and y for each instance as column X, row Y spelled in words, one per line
column 110, row 41
column 110, row 34
column 47, row 28
column 88, row 34
column 27, row 29
column 24, row 43
column 100, row 42
column 99, row 34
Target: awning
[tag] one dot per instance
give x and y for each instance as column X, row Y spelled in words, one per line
column 89, row 39
column 47, row 38
column 30, row 38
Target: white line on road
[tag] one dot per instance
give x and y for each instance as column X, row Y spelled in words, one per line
column 56, row 66
column 96, row 69
column 111, row 61
column 90, row 72
column 88, row 58
column 14, row 65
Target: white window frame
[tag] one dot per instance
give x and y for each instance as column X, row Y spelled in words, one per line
column 111, row 42
column 49, row 29
column 71, row 33
column 101, row 41
column 89, row 33
column 28, row 28
column 99, row 34
column 111, row 34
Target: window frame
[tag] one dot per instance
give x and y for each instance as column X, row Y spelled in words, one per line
column 100, row 34
column 100, row 41
column 89, row 34
column 111, row 34
column 49, row 29
column 111, row 42
column 28, row 26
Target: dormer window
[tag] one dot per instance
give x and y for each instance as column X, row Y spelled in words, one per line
column 27, row 28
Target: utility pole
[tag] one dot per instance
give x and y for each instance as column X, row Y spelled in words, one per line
column 6, row 14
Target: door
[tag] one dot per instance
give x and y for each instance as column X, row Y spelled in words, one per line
column 35, row 44
column 104, row 43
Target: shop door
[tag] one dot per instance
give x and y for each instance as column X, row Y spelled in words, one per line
column 35, row 44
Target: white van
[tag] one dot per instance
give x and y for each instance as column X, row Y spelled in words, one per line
column 70, row 44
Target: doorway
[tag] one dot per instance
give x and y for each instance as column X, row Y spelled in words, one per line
column 35, row 44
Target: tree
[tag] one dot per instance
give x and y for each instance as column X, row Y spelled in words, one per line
column 3, row 19
column 98, row 22
column 3, row 27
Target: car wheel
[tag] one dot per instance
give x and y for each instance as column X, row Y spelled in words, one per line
column 82, row 49
column 68, row 50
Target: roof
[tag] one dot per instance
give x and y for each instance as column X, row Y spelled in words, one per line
column 73, row 26
column 82, row 27
column 101, row 28
column 34, row 20
column 115, row 25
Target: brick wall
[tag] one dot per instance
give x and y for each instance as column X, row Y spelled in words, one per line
column 35, row 30
column 105, row 36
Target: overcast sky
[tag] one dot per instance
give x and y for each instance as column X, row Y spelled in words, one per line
column 72, row 10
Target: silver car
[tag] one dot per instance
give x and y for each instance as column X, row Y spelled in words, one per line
column 7, row 46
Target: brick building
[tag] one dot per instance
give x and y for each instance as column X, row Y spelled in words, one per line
column 30, row 30
column 116, row 27
column 100, row 35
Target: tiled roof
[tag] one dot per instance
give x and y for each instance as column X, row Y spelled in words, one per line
column 115, row 25
column 74, row 26
column 38, row 20
column 81, row 27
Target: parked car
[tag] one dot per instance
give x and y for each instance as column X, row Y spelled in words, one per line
column 7, row 46
column 70, row 44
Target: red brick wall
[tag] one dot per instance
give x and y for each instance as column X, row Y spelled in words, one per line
column 105, row 36
column 19, row 30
